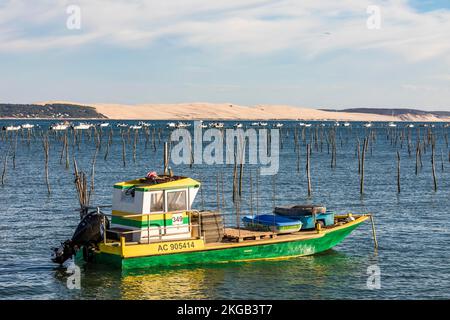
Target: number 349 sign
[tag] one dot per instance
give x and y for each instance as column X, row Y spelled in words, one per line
column 177, row 218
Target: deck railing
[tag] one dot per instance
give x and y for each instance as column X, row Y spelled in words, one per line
column 161, row 230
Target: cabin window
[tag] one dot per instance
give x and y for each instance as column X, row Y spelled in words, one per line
column 176, row 200
column 127, row 195
column 157, row 202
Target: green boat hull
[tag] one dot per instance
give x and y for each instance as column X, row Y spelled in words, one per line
column 284, row 249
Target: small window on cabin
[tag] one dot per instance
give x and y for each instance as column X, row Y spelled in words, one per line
column 127, row 196
column 176, row 200
column 157, row 202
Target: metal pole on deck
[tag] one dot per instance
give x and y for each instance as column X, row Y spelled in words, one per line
column 166, row 158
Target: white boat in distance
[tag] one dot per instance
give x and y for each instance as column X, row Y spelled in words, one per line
column 278, row 125
column 103, row 125
column 135, row 127
column 368, row 124
column 238, row 125
column 12, row 128
column 346, row 124
column 410, row 125
column 392, row 124
column 27, row 126
column 259, row 124
column 121, row 125
column 59, row 126
column 182, row 125
column 144, row 124
column 82, row 126
column 217, row 125
column 202, row 125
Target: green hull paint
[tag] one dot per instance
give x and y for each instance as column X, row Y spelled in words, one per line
column 233, row 254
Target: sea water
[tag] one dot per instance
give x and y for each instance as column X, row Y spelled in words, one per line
column 413, row 227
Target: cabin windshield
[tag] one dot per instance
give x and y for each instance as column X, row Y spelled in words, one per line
column 176, row 200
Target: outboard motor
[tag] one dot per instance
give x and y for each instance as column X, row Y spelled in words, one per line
column 87, row 235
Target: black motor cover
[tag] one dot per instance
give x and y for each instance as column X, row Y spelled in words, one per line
column 88, row 233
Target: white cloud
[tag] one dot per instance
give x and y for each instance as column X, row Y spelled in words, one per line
column 233, row 27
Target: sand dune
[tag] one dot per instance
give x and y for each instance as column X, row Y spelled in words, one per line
column 228, row 111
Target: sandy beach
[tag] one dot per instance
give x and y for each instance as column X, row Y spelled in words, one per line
column 229, row 111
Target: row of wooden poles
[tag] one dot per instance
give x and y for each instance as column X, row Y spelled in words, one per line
column 317, row 138
column 76, row 135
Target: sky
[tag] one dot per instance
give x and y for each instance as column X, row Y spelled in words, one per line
column 310, row 53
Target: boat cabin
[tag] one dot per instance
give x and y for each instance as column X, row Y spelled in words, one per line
column 155, row 208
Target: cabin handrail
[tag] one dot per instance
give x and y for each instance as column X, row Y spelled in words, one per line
column 150, row 239
column 136, row 215
column 147, row 215
column 151, row 228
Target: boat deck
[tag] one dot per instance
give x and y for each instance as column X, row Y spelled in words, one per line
column 240, row 235
column 249, row 244
column 237, row 237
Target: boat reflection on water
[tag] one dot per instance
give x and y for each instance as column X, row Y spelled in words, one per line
column 178, row 283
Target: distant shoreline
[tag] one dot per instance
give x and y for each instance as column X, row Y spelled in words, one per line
column 215, row 119
column 212, row 112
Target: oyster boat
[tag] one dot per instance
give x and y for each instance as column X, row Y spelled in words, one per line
column 153, row 224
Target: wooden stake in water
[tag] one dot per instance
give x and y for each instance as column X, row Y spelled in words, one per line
column 223, row 197
column 201, row 194
column 398, row 171
column 108, row 144
column 374, row 232
column 81, row 187
column 5, row 163
column 359, row 157
column 123, row 152
column 251, row 193
column 361, row 187
column 14, row 151
column 46, row 153
column 241, row 175
column 308, row 168
column 94, row 159
column 432, row 165
column 217, row 192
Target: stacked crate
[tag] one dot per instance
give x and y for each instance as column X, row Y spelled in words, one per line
column 210, row 225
